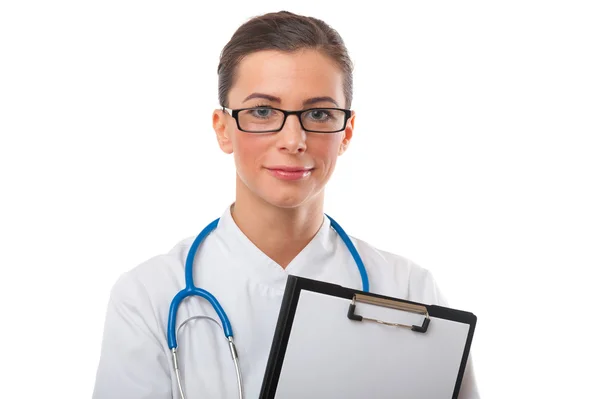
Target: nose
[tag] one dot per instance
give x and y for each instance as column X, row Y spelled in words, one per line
column 292, row 138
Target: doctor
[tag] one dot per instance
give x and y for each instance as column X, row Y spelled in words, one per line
column 276, row 226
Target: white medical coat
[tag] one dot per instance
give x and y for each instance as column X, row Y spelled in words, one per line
column 135, row 361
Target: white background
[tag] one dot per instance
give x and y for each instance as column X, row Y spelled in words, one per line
column 476, row 155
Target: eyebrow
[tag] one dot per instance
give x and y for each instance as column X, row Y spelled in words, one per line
column 274, row 99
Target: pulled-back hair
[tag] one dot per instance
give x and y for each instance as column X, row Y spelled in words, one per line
column 283, row 31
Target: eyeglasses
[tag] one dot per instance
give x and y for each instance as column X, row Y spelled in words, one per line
column 268, row 119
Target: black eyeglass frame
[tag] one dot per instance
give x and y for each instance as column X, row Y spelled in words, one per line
column 235, row 112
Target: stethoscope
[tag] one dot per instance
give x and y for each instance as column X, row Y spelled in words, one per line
column 191, row 290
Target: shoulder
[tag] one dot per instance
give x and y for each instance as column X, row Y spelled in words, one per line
column 398, row 276
column 148, row 285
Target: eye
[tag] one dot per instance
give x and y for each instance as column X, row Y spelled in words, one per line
column 261, row 112
column 319, row 115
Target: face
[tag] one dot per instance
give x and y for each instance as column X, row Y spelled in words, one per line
column 289, row 168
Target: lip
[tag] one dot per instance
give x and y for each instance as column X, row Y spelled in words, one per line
column 284, row 172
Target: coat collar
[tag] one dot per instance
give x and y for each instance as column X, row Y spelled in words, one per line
column 242, row 253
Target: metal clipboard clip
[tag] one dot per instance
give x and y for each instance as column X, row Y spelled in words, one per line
column 408, row 307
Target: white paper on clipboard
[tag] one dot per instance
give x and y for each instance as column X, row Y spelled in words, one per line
column 330, row 356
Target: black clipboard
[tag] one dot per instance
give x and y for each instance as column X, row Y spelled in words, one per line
column 432, row 319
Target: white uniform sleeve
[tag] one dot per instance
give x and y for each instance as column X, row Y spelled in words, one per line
column 133, row 363
column 424, row 289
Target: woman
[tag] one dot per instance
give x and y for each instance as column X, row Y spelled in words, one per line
column 275, row 227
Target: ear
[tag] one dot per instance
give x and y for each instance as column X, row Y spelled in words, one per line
column 220, row 126
column 347, row 134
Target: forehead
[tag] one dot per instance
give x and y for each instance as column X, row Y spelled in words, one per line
column 293, row 77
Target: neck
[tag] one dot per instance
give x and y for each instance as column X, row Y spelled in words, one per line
column 280, row 233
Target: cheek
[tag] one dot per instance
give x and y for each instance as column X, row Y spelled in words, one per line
column 248, row 150
column 325, row 150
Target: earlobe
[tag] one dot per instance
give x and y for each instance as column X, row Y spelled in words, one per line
column 220, row 127
column 348, row 132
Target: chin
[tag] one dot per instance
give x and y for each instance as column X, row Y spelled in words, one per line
column 287, row 198
column 287, row 202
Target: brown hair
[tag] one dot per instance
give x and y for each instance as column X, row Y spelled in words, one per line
column 283, row 31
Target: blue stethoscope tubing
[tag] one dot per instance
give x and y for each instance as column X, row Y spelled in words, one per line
column 191, row 290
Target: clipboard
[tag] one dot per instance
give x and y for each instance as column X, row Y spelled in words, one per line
column 336, row 342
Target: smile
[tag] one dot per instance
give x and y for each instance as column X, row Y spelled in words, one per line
column 289, row 172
